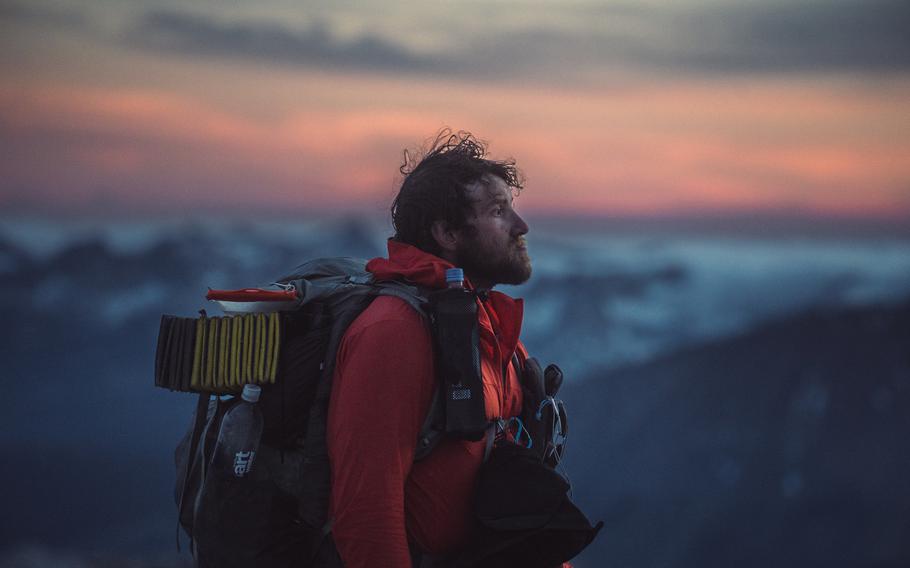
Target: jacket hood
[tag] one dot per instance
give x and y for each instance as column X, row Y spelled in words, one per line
column 407, row 262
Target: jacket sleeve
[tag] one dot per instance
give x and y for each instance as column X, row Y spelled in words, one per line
column 381, row 391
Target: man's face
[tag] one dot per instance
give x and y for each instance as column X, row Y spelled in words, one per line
column 492, row 250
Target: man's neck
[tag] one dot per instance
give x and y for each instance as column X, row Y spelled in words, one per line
column 479, row 283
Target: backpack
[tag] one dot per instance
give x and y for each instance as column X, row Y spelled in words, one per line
column 278, row 515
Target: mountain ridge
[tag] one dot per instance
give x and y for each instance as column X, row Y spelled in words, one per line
column 737, row 445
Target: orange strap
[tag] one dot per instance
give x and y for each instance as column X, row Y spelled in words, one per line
column 252, row 295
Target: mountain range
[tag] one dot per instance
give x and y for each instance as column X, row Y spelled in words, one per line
column 719, row 388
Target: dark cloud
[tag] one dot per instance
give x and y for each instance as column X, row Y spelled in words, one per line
column 36, row 14
column 852, row 36
column 839, row 35
column 312, row 45
column 735, row 37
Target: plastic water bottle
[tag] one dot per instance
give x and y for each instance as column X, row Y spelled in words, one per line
column 454, row 317
column 454, row 278
column 238, row 438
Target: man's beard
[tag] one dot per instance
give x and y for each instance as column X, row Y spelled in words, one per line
column 484, row 264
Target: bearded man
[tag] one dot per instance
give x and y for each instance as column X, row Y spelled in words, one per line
column 454, row 209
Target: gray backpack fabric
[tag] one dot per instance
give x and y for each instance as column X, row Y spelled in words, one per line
column 278, row 515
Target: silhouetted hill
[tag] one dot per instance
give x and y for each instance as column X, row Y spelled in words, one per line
column 787, row 446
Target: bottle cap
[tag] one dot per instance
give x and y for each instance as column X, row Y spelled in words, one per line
column 251, row 393
column 454, row 275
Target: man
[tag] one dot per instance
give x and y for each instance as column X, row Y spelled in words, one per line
column 454, row 209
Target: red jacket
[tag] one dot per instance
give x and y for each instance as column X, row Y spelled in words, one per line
column 384, row 380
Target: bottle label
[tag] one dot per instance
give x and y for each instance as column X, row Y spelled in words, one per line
column 459, row 393
column 243, row 463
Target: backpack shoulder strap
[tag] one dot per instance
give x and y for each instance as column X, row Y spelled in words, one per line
column 433, row 427
column 412, row 295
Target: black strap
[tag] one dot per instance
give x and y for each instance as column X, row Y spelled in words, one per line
column 492, row 432
column 431, row 432
column 202, row 410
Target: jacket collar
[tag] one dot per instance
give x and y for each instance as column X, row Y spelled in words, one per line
column 409, row 263
column 406, row 262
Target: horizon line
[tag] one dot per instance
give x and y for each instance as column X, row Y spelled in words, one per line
column 723, row 222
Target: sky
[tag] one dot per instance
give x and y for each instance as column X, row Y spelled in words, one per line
column 626, row 108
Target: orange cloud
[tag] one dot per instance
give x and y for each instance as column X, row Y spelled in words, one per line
column 333, row 139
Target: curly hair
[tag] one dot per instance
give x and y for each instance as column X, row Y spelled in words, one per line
column 435, row 186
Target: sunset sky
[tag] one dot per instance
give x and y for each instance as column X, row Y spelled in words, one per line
column 640, row 107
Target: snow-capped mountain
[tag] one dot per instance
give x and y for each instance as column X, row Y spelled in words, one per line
column 594, row 299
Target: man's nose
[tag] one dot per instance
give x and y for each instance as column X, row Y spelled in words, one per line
column 519, row 227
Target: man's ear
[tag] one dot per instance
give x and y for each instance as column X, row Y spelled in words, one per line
column 445, row 237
